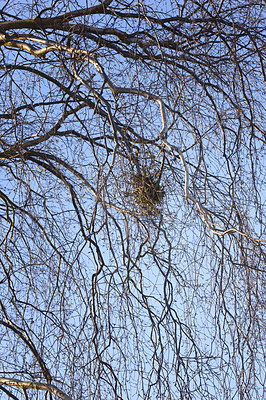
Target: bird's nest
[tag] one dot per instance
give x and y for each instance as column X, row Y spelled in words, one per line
column 147, row 191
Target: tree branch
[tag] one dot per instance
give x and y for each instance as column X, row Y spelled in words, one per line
column 35, row 385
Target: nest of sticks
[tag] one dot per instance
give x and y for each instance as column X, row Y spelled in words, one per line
column 147, row 190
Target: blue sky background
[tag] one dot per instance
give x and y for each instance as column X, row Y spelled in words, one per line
column 161, row 304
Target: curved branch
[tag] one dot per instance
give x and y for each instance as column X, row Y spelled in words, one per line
column 26, row 339
column 35, row 385
column 45, row 23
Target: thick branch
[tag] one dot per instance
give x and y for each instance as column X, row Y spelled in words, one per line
column 35, row 385
column 44, row 23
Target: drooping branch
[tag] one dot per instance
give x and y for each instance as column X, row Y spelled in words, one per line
column 26, row 339
column 205, row 213
column 35, row 385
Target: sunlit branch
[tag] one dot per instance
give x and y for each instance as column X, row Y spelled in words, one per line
column 206, row 214
column 35, row 385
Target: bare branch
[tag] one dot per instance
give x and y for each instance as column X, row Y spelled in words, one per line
column 35, row 385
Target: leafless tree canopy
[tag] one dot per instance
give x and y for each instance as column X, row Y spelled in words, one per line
column 132, row 199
